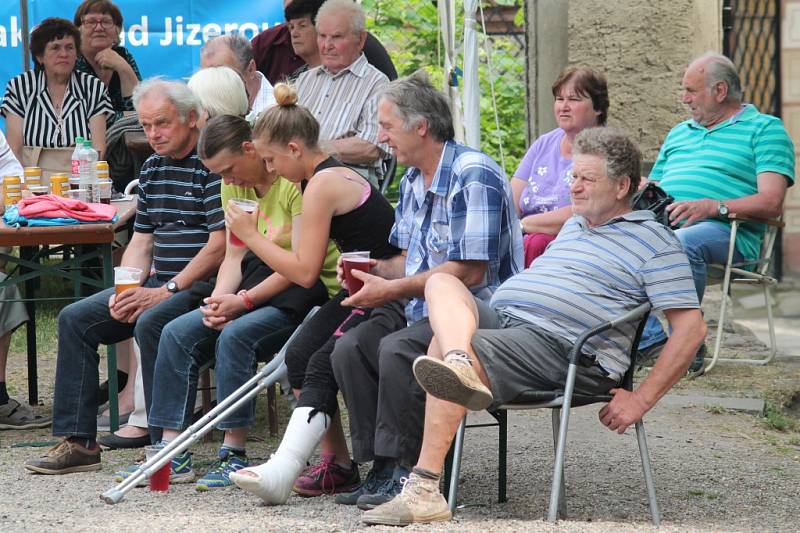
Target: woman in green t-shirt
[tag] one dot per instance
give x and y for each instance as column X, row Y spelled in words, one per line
column 252, row 310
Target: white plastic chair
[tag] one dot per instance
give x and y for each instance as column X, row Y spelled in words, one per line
column 130, row 186
column 749, row 272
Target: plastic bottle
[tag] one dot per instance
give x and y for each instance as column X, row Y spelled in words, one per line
column 88, row 171
column 75, row 172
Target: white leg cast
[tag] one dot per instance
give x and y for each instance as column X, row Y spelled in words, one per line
column 273, row 480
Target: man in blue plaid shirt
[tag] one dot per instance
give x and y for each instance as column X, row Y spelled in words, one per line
column 455, row 215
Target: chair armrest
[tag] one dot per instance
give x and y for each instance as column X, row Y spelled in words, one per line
column 634, row 314
column 747, row 218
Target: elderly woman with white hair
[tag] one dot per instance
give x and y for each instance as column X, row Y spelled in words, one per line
column 221, row 91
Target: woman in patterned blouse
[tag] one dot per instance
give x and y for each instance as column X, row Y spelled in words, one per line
column 52, row 105
column 100, row 22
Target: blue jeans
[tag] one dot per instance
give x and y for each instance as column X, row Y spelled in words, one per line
column 187, row 345
column 704, row 243
column 82, row 327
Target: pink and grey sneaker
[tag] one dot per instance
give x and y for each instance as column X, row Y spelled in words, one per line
column 327, row 477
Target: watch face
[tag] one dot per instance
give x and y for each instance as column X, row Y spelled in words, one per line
column 172, row 286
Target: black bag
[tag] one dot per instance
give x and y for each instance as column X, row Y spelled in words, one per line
column 653, row 198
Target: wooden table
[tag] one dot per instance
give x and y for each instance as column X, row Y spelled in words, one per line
column 38, row 241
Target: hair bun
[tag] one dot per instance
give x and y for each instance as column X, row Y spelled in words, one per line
column 285, row 95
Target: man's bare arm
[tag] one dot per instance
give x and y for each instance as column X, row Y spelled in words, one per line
column 354, row 150
column 688, row 332
column 377, row 290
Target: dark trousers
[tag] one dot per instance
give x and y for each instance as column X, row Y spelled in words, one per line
column 372, row 365
column 82, row 327
column 308, row 357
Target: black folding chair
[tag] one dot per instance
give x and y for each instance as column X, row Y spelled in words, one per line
column 560, row 403
column 389, row 171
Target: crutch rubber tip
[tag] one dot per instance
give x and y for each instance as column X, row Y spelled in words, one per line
column 112, row 496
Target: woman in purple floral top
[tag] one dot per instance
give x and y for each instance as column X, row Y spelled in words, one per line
column 541, row 183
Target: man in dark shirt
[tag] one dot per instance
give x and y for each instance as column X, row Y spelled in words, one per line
column 178, row 232
column 279, row 59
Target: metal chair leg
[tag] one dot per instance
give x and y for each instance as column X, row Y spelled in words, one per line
column 555, row 414
column 502, row 454
column 641, row 437
column 455, row 470
column 773, row 346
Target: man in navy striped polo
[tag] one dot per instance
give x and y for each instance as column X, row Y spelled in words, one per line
column 179, row 233
column 728, row 158
column 606, row 261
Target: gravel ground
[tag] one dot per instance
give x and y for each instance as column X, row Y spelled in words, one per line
column 715, row 471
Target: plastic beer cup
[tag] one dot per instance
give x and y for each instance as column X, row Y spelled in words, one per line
column 159, row 482
column 126, row 278
column 245, row 205
column 354, row 261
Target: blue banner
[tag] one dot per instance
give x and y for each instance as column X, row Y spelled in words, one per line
column 164, row 37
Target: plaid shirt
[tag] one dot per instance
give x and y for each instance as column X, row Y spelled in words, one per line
column 467, row 215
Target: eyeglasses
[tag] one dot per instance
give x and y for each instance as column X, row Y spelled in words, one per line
column 105, row 23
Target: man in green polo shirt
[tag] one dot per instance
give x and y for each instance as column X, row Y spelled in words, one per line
column 728, row 158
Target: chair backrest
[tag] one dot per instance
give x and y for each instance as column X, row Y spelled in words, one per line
column 130, row 186
column 767, row 247
column 389, row 171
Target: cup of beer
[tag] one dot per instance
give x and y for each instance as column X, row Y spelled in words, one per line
column 354, row 261
column 245, row 205
column 126, row 278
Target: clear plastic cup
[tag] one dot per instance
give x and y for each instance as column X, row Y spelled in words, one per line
column 78, row 194
column 245, row 205
column 38, row 190
column 354, row 261
column 126, row 278
column 159, row 482
column 104, row 189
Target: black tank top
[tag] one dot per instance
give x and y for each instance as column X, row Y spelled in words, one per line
column 367, row 226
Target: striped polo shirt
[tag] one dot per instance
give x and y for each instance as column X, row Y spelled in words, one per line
column 724, row 162
column 27, row 97
column 346, row 103
column 590, row 275
column 179, row 202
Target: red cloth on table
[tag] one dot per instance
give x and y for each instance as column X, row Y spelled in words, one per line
column 50, row 206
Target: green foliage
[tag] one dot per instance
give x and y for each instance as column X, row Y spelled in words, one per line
column 775, row 418
column 410, row 32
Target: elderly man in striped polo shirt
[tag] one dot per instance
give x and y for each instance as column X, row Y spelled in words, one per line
column 728, row 158
column 342, row 92
column 605, row 261
column 179, row 232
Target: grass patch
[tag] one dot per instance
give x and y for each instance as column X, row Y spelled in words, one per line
column 715, row 409
column 775, row 418
column 700, row 493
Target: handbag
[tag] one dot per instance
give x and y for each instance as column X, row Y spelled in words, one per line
column 653, row 198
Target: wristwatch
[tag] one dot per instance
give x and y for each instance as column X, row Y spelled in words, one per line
column 723, row 210
column 172, row 286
